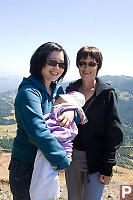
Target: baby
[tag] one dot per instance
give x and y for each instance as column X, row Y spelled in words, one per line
column 45, row 181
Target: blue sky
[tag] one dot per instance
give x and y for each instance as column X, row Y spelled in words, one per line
column 106, row 24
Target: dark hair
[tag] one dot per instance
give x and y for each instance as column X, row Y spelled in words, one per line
column 93, row 52
column 39, row 59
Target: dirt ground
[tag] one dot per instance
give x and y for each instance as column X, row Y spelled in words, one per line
column 5, row 193
column 126, row 176
column 4, row 162
column 4, row 172
column 111, row 192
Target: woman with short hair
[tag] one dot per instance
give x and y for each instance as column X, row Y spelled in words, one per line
column 95, row 145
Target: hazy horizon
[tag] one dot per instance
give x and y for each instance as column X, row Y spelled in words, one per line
column 11, row 82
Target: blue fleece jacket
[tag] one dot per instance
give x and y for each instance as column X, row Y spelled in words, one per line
column 31, row 103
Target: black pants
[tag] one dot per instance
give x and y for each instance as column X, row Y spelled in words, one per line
column 20, row 174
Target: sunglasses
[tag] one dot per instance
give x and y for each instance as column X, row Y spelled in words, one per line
column 84, row 64
column 53, row 63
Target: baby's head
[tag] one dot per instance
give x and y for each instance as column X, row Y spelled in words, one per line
column 74, row 98
column 59, row 101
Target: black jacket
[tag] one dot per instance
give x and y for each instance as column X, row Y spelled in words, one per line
column 102, row 135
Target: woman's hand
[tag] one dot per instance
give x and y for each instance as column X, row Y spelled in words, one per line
column 105, row 179
column 61, row 170
column 66, row 118
column 58, row 170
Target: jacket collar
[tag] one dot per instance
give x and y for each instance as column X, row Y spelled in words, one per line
column 101, row 86
column 37, row 83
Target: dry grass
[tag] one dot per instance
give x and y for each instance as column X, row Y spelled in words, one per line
column 122, row 175
column 4, row 162
column 4, row 173
column 8, row 127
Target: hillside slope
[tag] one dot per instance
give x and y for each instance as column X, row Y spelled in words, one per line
column 124, row 90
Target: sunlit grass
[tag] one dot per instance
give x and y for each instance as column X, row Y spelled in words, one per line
column 9, row 117
column 2, row 133
column 8, row 127
column 7, row 134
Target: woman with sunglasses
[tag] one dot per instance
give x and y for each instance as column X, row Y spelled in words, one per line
column 95, row 145
column 35, row 96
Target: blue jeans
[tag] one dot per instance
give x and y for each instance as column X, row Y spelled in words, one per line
column 80, row 184
column 20, row 174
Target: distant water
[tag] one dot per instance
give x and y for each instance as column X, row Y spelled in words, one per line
column 9, row 83
column 12, row 82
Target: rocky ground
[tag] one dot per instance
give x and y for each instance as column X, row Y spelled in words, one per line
column 111, row 192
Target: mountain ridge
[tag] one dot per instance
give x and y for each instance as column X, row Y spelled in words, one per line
column 124, row 89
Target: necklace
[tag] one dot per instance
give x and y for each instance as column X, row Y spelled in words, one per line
column 88, row 89
column 88, row 92
column 92, row 89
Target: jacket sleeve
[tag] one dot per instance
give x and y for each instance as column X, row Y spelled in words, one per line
column 113, row 133
column 28, row 108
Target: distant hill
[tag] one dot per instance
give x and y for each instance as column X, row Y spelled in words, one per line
column 7, row 107
column 9, row 82
column 121, row 83
column 124, row 90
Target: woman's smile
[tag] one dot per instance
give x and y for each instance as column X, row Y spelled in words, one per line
column 52, row 73
column 86, row 73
